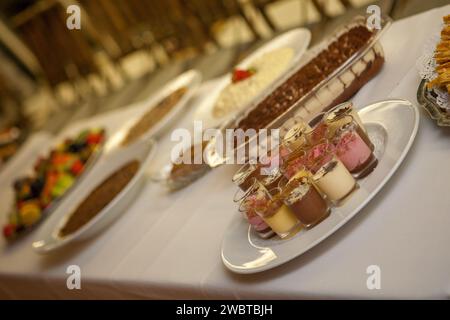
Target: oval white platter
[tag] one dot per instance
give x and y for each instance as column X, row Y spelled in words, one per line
column 297, row 39
column 392, row 126
column 48, row 238
column 190, row 79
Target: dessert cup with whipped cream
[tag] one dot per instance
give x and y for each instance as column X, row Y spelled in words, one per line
column 353, row 151
column 293, row 131
column 271, row 208
column 335, row 181
column 347, row 109
column 302, row 197
column 244, row 177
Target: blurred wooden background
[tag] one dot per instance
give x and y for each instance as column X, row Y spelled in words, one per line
column 50, row 75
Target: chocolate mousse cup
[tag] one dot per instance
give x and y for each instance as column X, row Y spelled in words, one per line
column 245, row 176
column 270, row 182
column 306, row 202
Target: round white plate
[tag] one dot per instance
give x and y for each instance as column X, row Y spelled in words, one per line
column 190, row 79
column 297, row 39
column 48, row 238
column 392, row 127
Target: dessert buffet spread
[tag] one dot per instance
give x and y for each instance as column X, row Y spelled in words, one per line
column 53, row 176
column 313, row 180
column 317, row 168
column 248, row 83
column 434, row 68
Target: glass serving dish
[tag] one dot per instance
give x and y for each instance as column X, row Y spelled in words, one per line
column 336, row 88
column 427, row 99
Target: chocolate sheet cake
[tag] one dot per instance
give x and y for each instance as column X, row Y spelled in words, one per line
column 303, row 81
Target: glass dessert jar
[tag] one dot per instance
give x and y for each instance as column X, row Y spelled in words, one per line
column 318, row 155
column 302, row 197
column 244, row 177
column 344, row 109
column 336, row 121
column 247, row 208
column 335, row 181
column 293, row 133
column 270, row 181
column 318, row 134
column 271, row 208
column 353, row 151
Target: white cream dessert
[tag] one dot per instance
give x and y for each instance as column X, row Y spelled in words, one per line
column 263, row 71
column 334, row 180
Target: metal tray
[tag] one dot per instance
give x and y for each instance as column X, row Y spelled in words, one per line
column 427, row 99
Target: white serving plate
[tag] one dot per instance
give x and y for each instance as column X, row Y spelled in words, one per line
column 297, row 39
column 392, row 127
column 48, row 239
column 190, row 79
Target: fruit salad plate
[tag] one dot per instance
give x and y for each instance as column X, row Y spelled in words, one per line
column 47, row 179
column 295, row 41
column 392, row 126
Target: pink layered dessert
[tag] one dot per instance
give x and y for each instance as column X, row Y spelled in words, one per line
column 354, row 152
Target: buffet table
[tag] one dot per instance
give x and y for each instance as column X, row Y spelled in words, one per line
column 168, row 245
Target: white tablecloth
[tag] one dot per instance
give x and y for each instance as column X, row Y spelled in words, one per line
column 168, row 245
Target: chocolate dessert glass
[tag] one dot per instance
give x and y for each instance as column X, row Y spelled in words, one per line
column 244, row 177
column 271, row 181
column 353, row 151
column 305, row 201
